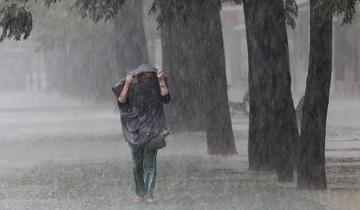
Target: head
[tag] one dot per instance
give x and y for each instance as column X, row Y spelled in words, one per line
column 146, row 77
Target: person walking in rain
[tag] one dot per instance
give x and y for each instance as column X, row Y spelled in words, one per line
column 140, row 98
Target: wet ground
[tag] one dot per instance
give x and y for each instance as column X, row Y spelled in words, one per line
column 67, row 156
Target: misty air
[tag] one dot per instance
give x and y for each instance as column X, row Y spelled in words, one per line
column 179, row 105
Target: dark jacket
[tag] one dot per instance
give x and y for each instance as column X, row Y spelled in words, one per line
column 142, row 115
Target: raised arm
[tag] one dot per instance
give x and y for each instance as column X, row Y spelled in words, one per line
column 124, row 92
column 163, row 87
column 165, row 94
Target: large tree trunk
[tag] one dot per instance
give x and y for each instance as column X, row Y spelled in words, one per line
column 185, row 110
column 311, row 168
column 285, row 132
column 272, row 125
column 131, row 47
column 181, row 52
column 193, row 53
column 220, row 138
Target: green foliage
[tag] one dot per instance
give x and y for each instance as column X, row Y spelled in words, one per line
column 346, row 8
column 15, row 21
column 291, row 13
column 64, row 26
column 80, row 54
column 98, row 9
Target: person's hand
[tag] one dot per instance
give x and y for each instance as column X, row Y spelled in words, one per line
column 160, row 74
column 129, row 79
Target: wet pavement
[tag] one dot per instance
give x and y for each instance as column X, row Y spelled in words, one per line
column 68, row 156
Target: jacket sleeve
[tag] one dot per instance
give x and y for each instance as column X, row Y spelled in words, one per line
column 123, row 106
column 166, row 98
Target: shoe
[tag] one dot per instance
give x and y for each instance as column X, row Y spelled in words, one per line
column 138, row 199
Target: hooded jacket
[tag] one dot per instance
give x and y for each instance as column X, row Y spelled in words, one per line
column 142, row 115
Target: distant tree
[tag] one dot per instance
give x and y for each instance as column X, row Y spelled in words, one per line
column 79, row 53
column 15, row 21
column 71, row 35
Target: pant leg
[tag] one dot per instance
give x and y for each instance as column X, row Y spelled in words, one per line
column 149, row 172
column 137, row 153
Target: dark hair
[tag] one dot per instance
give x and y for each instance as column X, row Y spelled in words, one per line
column 140, row 75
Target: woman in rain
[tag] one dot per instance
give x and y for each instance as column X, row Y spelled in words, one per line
column 140, row 98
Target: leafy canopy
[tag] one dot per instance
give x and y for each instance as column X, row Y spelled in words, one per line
column 16, row 20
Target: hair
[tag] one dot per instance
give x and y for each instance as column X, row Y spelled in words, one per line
column 143, row 73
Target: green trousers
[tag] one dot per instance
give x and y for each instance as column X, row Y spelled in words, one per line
column 144, row 169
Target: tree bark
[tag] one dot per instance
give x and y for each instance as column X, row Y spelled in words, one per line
column 185, row 110
column 272, row 125
column 193, row 52
column 311, row 168
column 220, row 138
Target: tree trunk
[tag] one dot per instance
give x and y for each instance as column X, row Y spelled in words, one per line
column 193, row 53
column 131, row 47
column 285, row 132
column 219, row 133
column 311, row 168
column 185, row 110
column 272, row 125
column 181, row 50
